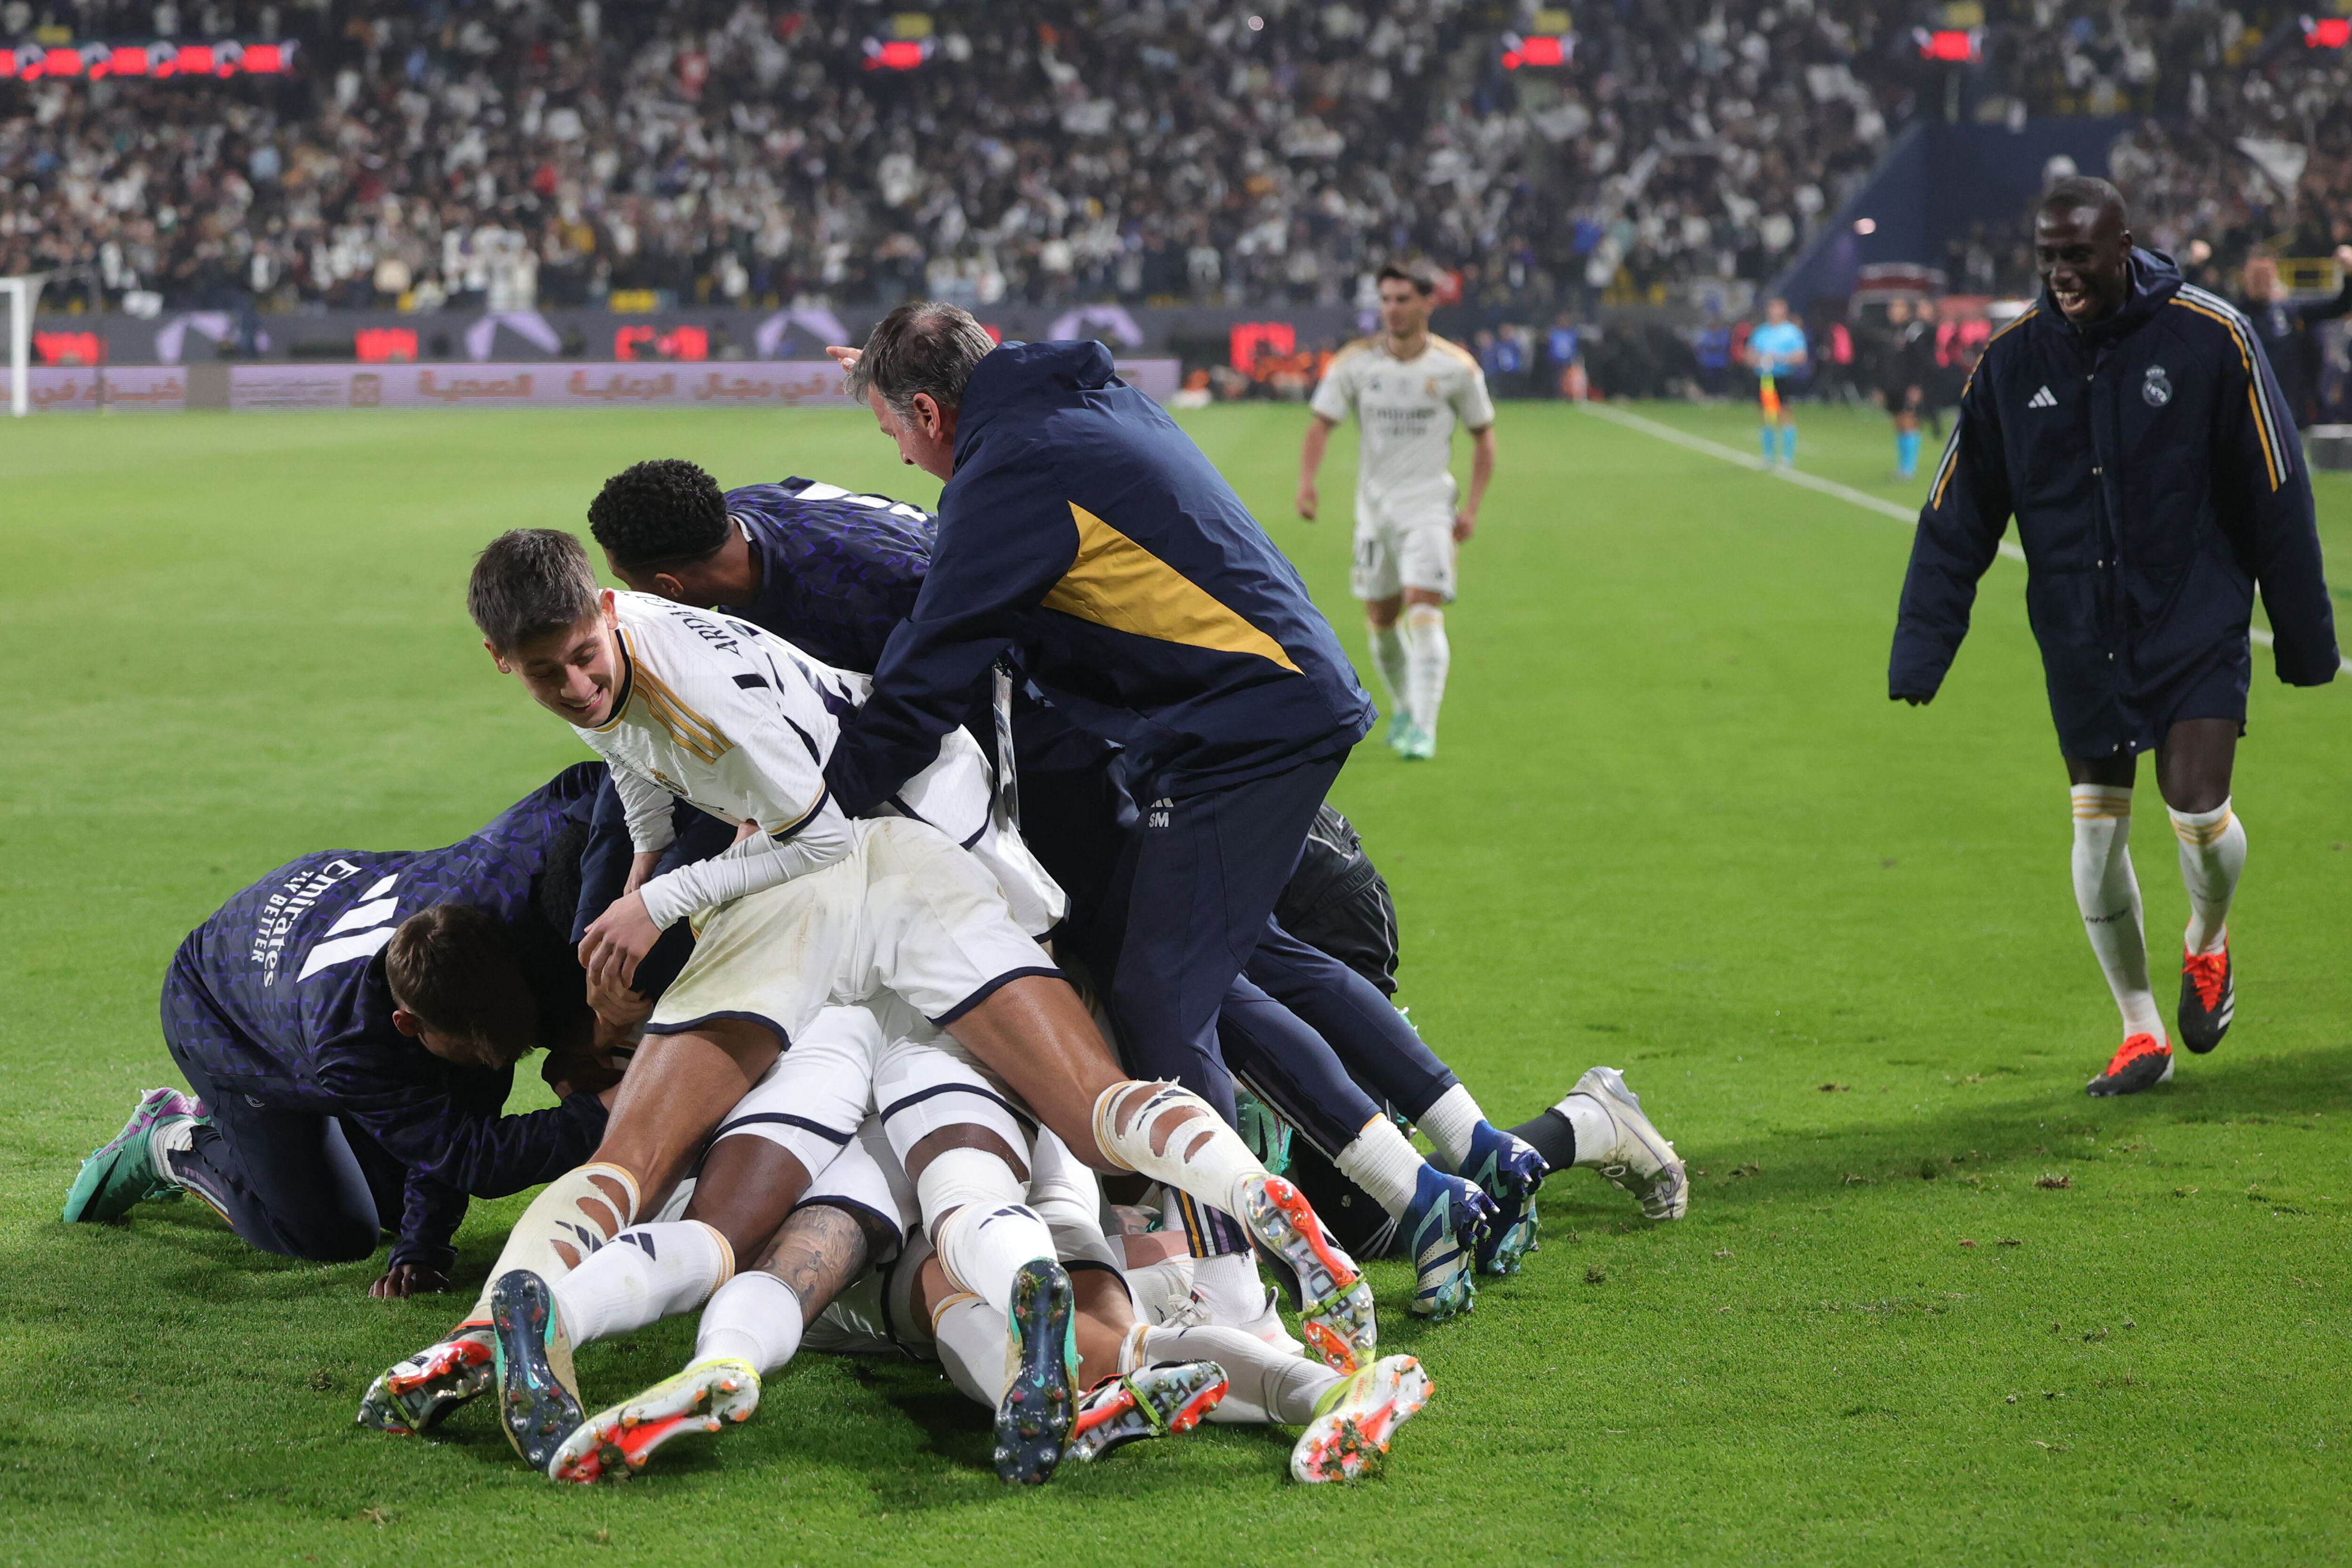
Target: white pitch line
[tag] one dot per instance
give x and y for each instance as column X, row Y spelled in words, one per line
column 1868, row 503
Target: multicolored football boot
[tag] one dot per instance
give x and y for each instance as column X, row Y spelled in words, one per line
column 538, row 1394
column 1508, row 1171
column 1040, row 1405
column 121, row 1173
column 2142, row 1062
column 615, row 1444
column 1443, row 1229
column 2209, row 997
column 417, row 1395
column 1356, row 1420
column 1150, row 1402
column 1337, row 1317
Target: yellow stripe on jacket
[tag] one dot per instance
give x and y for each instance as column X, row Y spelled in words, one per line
column 1118, row 583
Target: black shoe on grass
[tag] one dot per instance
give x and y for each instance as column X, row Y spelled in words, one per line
column 2208, row 995
column 2142, row 1062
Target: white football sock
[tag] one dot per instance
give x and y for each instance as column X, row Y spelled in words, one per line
column 173, row 1135
column 1384, row 1164
column 1427, row 655
column 1203, row 1156
column 753, row 1317
column 975, row 1345
column 1388, row 658
column 2212, row 854
column 1262, row 1384
column 1229, row 1287
column 1448, row 1125
column 1596, row 1133
column 646, row 1273
column 976, row 1211
column 571, row 1217
column 2107, row 894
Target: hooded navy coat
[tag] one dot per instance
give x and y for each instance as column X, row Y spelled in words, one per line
column 1084, row 532
column 2156, row 478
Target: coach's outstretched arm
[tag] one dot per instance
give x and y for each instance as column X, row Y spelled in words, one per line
column 2264, row 494
column 1013, row 538
column 1959, row 534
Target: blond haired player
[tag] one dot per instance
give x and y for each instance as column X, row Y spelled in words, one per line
column 1408, row 388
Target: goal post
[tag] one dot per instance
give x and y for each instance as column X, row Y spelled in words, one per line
column 21, row 293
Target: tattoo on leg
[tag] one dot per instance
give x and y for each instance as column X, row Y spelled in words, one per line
column 817, row 1253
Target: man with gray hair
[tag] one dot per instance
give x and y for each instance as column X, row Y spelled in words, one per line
column 1084, row 534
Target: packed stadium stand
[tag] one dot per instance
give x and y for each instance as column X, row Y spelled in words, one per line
column 1041, row 151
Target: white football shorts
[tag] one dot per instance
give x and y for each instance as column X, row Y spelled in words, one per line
column 904, row 914
column 812, row 1098
column 1404, row 542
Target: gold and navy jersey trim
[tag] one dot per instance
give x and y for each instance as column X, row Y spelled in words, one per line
column 2266, row 420
column 782, row 835
column 695, row 734
column 1952, row 447
column 1456, row 350
column 1114, row 582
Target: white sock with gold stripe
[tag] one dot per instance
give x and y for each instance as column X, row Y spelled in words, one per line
column 2107, row 894
column 2212, row 854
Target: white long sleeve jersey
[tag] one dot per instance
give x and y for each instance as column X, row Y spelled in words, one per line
column 739, row 723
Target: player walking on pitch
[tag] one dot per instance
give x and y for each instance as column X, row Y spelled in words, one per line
column 2133, row 425
column 1407, row 388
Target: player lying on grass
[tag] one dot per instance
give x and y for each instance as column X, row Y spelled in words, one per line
column 666, row 528
column 2132, row 424
column 851, row 1273
column 812, row 908
column 349, row 1027
column 964, row 1144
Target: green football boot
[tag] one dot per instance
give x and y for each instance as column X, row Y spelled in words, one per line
column 122, row 1174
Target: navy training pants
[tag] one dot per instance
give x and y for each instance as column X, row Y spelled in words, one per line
column 297, row 1182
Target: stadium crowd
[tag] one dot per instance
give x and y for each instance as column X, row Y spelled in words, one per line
column 553, row 151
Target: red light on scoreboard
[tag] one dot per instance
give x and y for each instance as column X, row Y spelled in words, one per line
column 1953, row 45
column 97, row 61
column 385, row 345
column 1251, row 339
column 1544, row 50
column 898, row 55
column 2326, row 32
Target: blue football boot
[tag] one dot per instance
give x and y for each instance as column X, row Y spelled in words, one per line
column 1508, row 1171
column 1443, row 1229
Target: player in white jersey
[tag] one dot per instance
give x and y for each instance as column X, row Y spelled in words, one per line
column 806, row 911
column 1408, row 389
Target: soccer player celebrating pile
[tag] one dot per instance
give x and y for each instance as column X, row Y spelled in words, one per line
column 1407, row 388
column 2132, row 424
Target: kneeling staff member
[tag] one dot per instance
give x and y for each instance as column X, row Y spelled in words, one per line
column 2133, row 427
column 349, row 1026
column 810, row 910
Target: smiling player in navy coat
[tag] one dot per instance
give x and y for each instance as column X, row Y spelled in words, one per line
column 2133, row 427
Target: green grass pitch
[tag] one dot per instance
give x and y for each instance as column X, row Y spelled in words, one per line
column 1930, row 1303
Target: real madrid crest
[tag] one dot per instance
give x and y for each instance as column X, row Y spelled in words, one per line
column 2155, row 391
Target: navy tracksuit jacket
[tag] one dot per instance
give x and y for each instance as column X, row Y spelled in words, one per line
column 1085, row 530
column 277, row 1010
column 2155, row 477
column 1085, row 534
